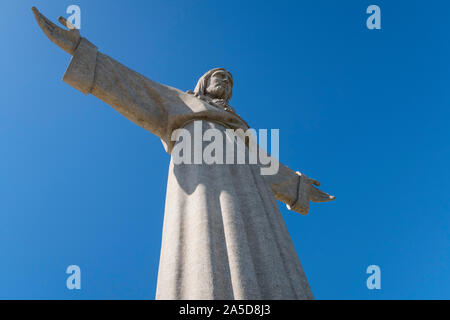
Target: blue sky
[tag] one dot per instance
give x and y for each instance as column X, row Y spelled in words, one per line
column 366, row 112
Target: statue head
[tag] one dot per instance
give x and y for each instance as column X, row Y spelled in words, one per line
column 216, row 87
column 216, row 84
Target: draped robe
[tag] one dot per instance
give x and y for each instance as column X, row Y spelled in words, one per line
column 223, row 234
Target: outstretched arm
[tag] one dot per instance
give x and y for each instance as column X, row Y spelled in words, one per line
column 295, row 189
column 136, row 97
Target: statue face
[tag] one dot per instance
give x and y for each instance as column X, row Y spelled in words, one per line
column 219, row 85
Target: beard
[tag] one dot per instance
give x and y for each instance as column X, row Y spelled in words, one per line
column 217, row 92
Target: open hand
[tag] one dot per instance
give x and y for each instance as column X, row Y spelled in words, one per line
column 316, row 195
column 67, row 40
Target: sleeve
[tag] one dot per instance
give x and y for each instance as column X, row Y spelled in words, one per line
column 141, row 100
column 291, row 188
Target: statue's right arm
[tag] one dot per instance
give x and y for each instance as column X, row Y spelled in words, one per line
column 136, row 97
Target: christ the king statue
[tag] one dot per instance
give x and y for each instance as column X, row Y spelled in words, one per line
column 223, row 234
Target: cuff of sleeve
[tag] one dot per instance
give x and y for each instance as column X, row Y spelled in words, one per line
column 301, row 204
column 81, row 70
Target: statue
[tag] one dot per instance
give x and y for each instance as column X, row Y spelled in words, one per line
column 223, row 235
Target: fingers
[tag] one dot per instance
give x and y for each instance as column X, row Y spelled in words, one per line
column 42, row 20
column 320, row 196
column 46, row 25
column 66, row 23
column 310, row 180
column 63, row 21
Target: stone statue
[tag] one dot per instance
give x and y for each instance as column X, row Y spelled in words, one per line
column 223, row 235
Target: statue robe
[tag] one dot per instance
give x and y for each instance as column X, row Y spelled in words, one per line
column 223, row 235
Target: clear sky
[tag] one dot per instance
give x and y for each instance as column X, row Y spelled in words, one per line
column 366, row 112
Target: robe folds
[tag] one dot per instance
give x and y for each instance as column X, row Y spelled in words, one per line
column 223, row 235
